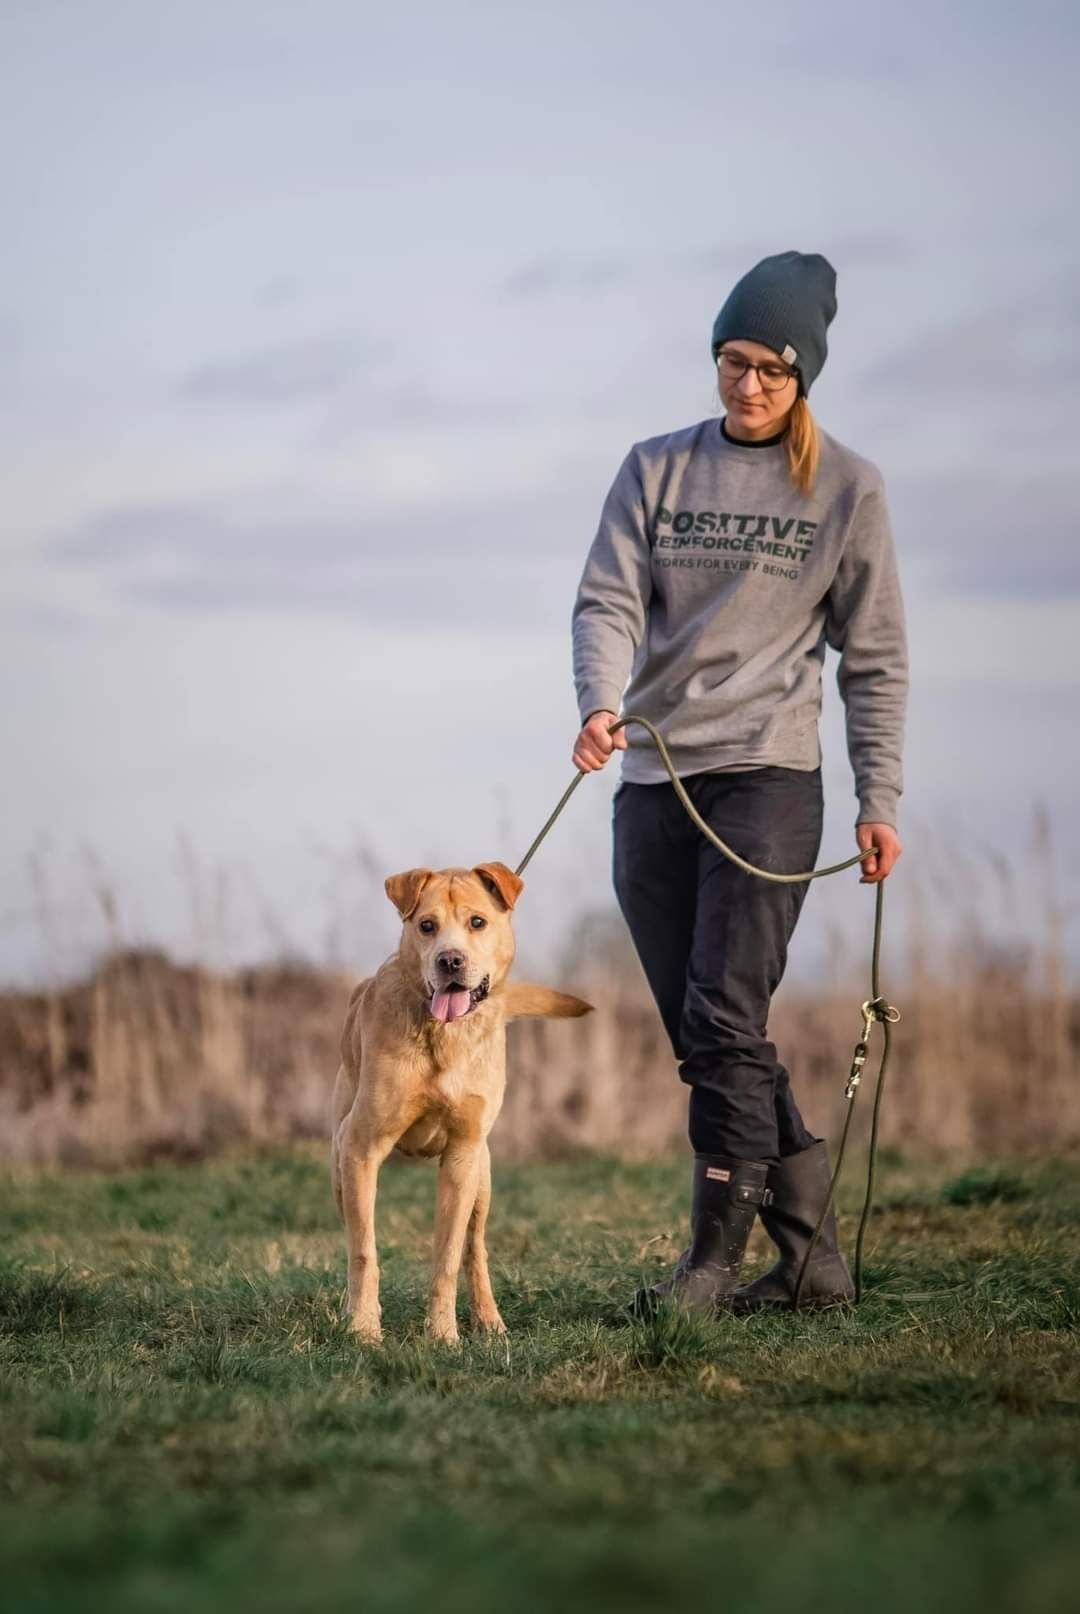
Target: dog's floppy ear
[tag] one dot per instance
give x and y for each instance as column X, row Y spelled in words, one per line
column 404, row 889
column 501, row 880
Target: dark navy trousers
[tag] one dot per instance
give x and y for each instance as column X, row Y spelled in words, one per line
column 713, row 941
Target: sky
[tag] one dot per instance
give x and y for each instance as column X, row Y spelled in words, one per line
column 323, row 332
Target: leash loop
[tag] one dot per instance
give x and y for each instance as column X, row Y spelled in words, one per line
column 885, row 1011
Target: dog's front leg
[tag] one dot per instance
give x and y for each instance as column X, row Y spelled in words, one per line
column 485, row 1311
column 361, row 1159
column 459, row 1178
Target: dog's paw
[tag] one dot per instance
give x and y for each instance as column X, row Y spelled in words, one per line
column 443, row 1330
column 489, row 1322
column 366, row 1327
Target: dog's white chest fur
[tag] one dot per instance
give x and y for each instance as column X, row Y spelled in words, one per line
column 471, row 1078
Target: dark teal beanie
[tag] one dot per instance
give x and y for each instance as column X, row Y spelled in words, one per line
column 786, row 301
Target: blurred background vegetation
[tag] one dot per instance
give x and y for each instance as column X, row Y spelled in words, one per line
column 145, row 1056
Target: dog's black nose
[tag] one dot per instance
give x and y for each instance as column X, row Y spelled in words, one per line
column 450, row 962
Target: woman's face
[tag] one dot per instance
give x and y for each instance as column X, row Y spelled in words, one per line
column 755, row 408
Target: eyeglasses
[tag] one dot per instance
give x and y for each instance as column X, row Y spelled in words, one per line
column 733, row 366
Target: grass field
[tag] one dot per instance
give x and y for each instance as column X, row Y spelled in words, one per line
column 185, row 1425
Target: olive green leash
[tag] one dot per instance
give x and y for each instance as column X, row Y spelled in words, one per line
column 875, row 1008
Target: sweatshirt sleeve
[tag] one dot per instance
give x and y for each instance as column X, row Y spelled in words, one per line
column 610, row 610
column 865, row 623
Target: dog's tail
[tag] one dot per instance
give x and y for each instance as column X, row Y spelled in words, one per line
column 525, row 997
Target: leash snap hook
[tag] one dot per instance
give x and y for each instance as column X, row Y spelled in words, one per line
column 873, row 1009
column 862, row 1048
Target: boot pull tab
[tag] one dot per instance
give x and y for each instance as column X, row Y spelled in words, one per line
column 748, row 1193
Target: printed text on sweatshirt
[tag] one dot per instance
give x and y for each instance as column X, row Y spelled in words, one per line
column 708, row 597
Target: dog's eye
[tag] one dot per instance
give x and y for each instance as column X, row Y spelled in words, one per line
column 477, row 922
column 427, row 926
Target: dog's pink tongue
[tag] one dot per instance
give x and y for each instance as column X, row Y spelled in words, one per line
column 450, row 1005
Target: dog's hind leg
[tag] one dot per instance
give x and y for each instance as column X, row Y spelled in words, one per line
column 484, row 1310
column 456, row 1195
column 340, row 1105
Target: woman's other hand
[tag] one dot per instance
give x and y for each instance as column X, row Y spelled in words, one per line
column 885, row 838
column 594, row 744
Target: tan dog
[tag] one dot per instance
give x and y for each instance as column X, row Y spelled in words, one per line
column 423, row 1070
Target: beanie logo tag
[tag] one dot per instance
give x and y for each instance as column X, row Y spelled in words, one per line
column 789, row 354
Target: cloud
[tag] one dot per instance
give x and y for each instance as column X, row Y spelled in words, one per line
column 41, row 617
column 389, row 592
column 135, row 531
column 414, row 405
column 992, row 535
column 867, row 249
column 279, row 290
column 595, row 276
column 988, row 536
column 284, row 372
column 13, row 342
column 855, row 54
column 497, row 560
column 1030, row 343
column 558, row 276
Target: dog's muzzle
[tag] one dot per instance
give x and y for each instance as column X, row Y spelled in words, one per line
column 454, row 1001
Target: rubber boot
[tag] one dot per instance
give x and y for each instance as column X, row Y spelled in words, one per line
column 726, row 1196
column 800, row 1186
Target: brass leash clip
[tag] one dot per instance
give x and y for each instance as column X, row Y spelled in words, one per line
column 873, row 1009
column 858, row 1059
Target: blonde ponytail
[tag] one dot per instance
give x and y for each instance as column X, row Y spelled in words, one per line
column 803, row 446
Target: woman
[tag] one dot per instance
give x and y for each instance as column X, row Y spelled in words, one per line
column 729, row 554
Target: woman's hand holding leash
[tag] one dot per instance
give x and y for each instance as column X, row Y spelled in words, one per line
column 594, row 744
column 887, row 841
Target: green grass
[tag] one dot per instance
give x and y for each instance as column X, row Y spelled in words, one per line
column 185, row 1424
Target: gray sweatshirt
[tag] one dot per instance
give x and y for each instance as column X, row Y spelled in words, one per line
column 714, row 585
